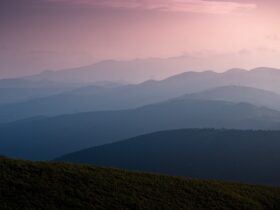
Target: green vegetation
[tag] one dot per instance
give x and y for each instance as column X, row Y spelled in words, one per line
column 30, row 185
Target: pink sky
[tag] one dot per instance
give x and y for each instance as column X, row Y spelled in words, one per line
column 55, row 34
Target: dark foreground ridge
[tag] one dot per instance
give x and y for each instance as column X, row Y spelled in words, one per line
column 230, row 155
column 43, row 185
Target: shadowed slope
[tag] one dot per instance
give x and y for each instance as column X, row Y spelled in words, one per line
column 232, row 155
column 48, row 138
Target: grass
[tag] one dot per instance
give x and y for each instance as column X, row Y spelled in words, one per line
column 47, row 185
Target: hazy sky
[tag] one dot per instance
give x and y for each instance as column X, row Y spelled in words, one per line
column 52, row 34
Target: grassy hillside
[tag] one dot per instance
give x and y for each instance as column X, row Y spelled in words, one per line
column 30, row 185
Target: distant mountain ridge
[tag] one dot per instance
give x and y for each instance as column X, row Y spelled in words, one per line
column 131, row 96
column 140, row 70
column 47, row 138
column 133, row 71
column 239, row 94
column 19, row 90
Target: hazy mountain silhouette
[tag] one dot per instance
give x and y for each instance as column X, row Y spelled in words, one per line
column 133, row 71
column 17, row 90
column 131, row 96
column 233, row 155
column 239, row 94
column 140, row 70
column 262, row 78
column 28, row 83
column 46, row 138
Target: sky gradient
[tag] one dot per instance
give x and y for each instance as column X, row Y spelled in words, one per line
column 37, row 35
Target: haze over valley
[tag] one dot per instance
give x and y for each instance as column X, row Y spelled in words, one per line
column 139, row 104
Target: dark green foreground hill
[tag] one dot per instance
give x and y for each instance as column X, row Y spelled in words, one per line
column 30, row 185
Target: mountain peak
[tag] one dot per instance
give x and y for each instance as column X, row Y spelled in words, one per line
column 236, row 71
column 265, row 69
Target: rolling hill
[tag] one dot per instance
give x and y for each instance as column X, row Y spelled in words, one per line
column 239, row 94
column 92, row 98
column 232, row 155
column 19, row 90
column 46, row 138
column 140, row 70
column 133, row 71
column 28, row 185
column 137, row 71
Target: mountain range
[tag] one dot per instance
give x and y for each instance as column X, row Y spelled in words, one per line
column 78, row 116
column 259, row 87
column 132, row 71
column 19, row 90
column 49, row 137
column 239, row 94
column 140, row 70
